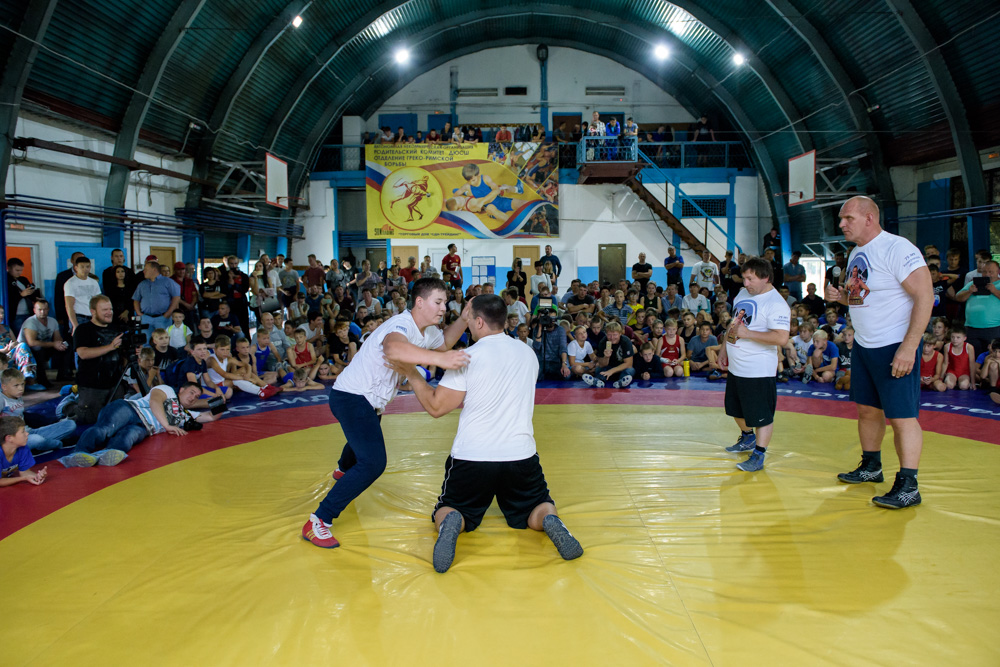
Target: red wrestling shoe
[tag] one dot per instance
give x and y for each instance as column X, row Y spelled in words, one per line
column 318, row 533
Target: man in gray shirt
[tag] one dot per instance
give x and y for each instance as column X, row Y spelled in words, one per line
column 41, row 334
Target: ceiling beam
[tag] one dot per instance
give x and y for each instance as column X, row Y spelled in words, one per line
column 781, row 97
column 142, row 98
column 950, row 98
column 320, row 62
column 35, row 22
column 700, row 81
column 857, row 107
column 261, row 44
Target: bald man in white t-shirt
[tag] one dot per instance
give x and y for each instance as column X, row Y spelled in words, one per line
column 494, row 453
column 366, row 387
column 890, row 295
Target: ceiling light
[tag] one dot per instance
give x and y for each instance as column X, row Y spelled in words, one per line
column 661, row 52
column 296, row 22
column 678, row 27
column 402, row 55
column 739, row 59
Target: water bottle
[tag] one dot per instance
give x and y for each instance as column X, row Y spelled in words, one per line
column 687, row 368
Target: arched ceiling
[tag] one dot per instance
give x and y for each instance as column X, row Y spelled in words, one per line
column 899, row 83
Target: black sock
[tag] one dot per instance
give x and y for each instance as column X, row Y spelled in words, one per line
column 872, row 456
column 749, row 432
column 908, row 472
column 759, row 449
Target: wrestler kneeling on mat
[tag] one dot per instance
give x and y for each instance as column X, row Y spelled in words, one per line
column 494, row 450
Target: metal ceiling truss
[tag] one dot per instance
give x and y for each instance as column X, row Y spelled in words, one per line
column 235, row 84
column 950, row 97
column 699, row 79
column 36, row 21
column 845, row 85
column 142, row 97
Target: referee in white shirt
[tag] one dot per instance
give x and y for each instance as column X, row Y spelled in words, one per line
column 493, row 454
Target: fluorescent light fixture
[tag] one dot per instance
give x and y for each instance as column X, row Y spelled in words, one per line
column 402, row 55
column 739, row 59
column 296, row 22
column 661, row 52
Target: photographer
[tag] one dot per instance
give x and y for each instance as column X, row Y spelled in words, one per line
column 982, row 312
column 21, row 295
column 549, row 341
column 125, row 423
column 100, row 364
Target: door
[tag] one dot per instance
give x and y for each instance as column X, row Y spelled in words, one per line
column 404, row 252
column 374, row 256
column 528, row 254
column 26, row 254
column 611, row 263
column 164, row 255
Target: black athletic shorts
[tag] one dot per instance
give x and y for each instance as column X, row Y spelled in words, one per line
column 470, row 486
column 753, row 399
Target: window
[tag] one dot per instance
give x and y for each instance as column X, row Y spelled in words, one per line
column 715, row 207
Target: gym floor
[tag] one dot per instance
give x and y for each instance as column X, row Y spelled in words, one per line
column 687, row 561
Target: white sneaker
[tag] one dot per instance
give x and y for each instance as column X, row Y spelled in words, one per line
column 624, row 382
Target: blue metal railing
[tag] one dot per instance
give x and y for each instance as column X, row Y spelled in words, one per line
column 663, row 154
column 606, row 149
column 679, row 194
column 696, row 154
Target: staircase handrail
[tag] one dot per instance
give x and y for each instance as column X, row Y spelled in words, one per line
column 680, row 194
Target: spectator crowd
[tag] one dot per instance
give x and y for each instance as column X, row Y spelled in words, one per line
column 280, row 328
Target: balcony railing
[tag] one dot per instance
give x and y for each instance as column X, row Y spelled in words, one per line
column 665, row 154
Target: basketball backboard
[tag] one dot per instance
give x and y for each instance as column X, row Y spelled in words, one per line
column 276, row 174
column 802, row 178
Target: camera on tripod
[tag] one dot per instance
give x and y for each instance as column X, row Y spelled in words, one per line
column 133, row 337
column 546, row 317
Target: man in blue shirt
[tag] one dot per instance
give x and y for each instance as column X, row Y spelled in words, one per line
column 795, row 275
column 674, row 264
column 156, row 298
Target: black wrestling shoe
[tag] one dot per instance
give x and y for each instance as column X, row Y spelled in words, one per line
column 904, row 493
column 870, row 470
column 444, row 548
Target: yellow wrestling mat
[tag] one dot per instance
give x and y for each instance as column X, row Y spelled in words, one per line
column 688, row 561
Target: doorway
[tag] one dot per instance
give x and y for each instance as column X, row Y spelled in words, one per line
column 611, row 263
column 404, row 253
column 570, row 119
column 528, row 254
column 164, row 255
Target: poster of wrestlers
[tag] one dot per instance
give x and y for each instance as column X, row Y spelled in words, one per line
column 479, row 191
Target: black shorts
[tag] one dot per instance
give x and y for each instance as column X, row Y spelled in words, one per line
column 470, row 486
column 752, row 399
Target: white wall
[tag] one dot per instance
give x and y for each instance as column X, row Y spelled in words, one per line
column 318, row 223
column 569, row 73
column 44, row 173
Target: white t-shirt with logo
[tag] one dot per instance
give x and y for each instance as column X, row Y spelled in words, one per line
column 367, row 375
column 499, row 386
column 880, row 307
column 763, row 312
column 579, row 353
column 172, row 408
column 704, row 274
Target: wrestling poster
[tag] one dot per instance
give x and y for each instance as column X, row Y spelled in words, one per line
column 462, row 191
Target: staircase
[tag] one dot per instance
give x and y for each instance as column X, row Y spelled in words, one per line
column 664, row 214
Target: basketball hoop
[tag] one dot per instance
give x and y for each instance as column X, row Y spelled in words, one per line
column 289, row 201
column 790, row 192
